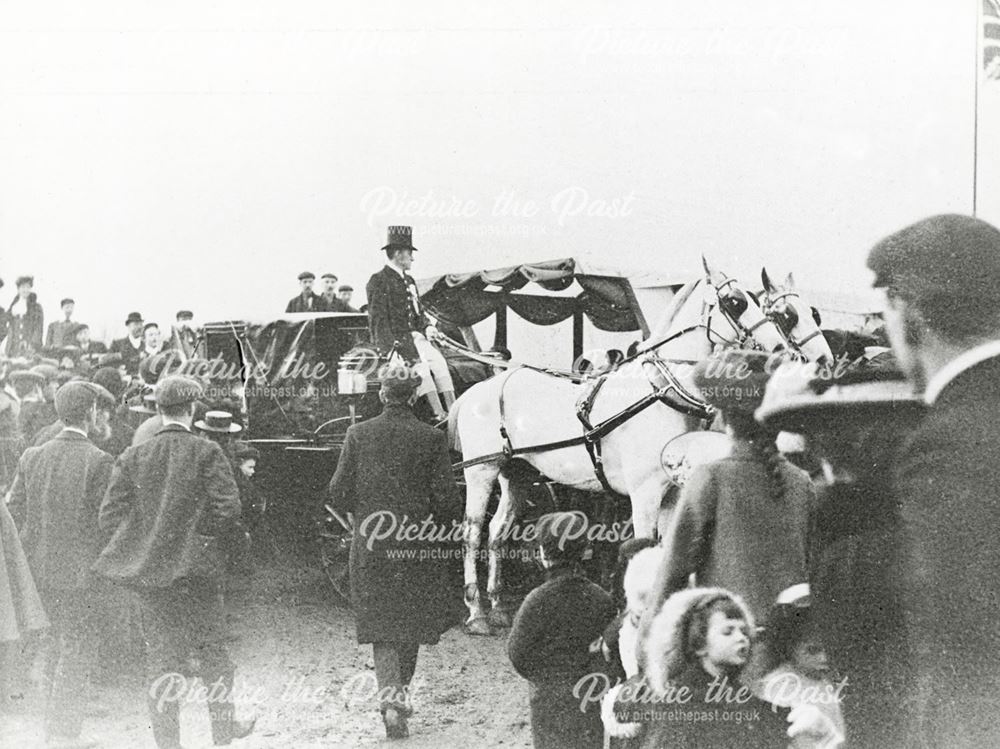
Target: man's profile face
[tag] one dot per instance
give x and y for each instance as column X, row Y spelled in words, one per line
column 404, row 259
column 307, row 285
column 903, row 341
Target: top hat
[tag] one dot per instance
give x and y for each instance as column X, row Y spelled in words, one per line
column 133, row 317
column 218, row 421
column 400, row 238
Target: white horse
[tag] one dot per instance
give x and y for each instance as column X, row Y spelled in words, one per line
column 533, row 408
column 794, row 318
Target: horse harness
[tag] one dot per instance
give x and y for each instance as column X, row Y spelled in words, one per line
column 786, row 318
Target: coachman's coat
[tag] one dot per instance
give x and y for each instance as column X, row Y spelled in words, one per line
column 394, row 312
column 395, row 468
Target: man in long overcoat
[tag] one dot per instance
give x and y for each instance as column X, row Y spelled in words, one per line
column 942, row 282
column 168, row 501
column 393, row 476
column 58, row 490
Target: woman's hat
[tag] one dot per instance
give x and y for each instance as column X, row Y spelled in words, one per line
column 218, row 421
column 734, row 380
column 246, row 451
column 808, row 398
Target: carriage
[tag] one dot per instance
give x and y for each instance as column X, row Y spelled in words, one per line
column 297, row 411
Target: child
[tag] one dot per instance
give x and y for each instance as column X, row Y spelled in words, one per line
column 692, row 694
column 801, row 676
column 550, row 642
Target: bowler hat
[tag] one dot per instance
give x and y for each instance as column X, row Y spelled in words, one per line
column 177, row 390
column 218, row 421
column 400, row 238
column 734, row 380
column 133, row 317
column 75, row 399
column 304, row 275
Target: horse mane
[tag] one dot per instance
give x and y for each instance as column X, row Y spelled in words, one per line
column 667, row 319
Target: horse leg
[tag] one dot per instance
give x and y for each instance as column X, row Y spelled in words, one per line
column 499, row 529
column 479, row 484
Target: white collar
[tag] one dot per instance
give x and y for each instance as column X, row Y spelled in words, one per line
column 136, row 342
column 962, row 362
column 74, row 429
column 400, row 271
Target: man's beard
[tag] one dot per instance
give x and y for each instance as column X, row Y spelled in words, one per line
column 100, row 432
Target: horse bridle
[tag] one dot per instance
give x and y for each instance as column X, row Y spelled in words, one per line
column 786, row 317
column 733, row 303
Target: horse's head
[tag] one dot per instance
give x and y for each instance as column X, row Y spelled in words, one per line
column 797, row 321
column 740, row 319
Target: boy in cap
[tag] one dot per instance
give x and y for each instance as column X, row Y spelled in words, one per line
column 344, row 294
column 60, row 332
column 396, row 318
column 395, row 464
column 168, row 500
column 306, row 301
column 58, row 492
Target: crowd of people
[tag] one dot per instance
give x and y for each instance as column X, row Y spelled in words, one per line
column 847, row 599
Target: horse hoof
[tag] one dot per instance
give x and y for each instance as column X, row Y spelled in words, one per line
column 478, row 626
column 499, row 618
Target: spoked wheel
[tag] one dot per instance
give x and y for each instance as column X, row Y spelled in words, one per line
column 335, row 555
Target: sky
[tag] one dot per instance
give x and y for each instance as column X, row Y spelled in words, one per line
column 158, row 156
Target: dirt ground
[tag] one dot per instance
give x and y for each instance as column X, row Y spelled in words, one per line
column 310, row 685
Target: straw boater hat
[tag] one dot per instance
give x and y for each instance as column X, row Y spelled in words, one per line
column 218, row 421
column 805, row 398
column 148, row 405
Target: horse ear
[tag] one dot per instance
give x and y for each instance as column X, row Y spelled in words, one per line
column 704, row 262
column 711, row 273
column 790, row 282
column 816, row 316
column 766, row 280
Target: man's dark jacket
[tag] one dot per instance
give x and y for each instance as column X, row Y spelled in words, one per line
column 58, row 489
column 312, row 303
column 165, row 496
column 130, row 354
column 948, row 484
column 396, row 469
column 391, row 313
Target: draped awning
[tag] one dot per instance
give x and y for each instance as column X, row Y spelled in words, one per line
column 603, row 296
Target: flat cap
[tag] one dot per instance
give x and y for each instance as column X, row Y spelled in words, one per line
column 306, row 275
column 176, row 390
column 110, row 379
column 399, row 379
column 185, row 314
column 329, row 275
column 345, row 287
column 950, row 254
column 77, row 397
column 67, row 300
column 26, row 376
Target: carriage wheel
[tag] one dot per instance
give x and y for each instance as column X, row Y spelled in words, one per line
column 335, row 555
